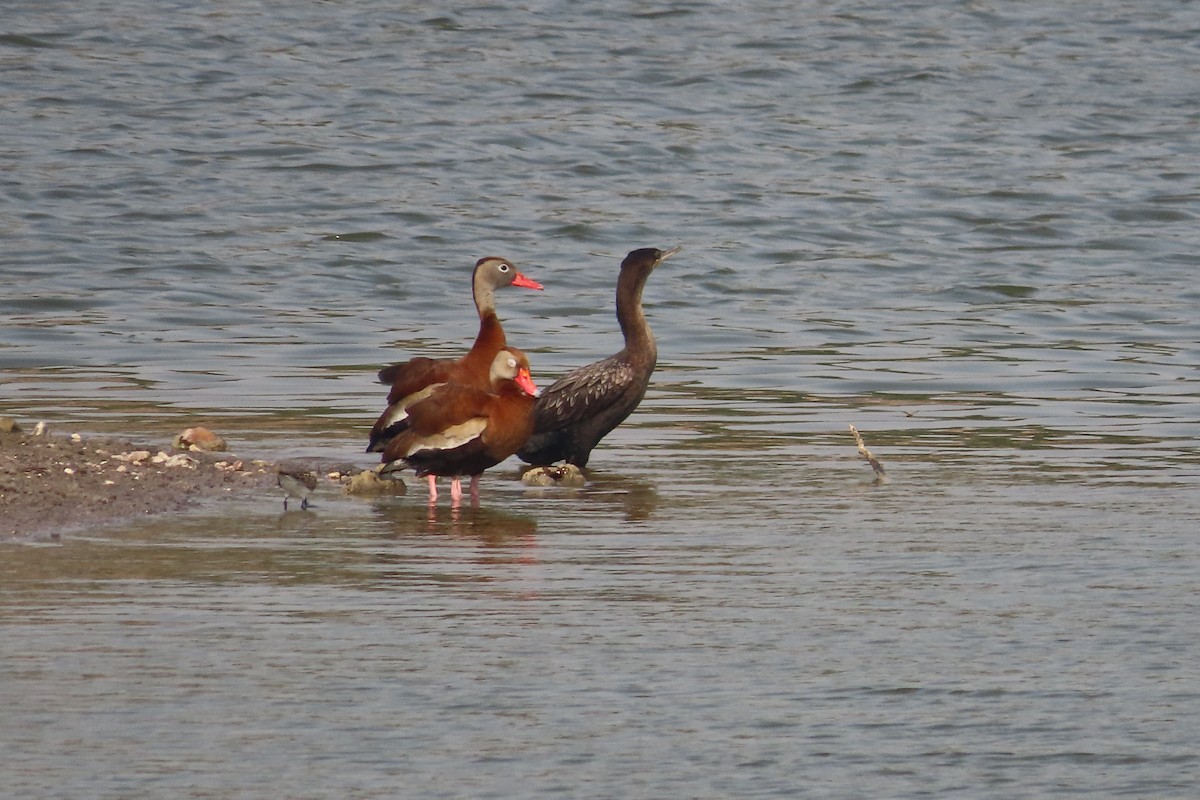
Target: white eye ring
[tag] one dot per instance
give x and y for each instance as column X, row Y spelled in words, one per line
column 504, row 267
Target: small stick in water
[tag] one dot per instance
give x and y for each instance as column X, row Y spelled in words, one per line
column 880, row 474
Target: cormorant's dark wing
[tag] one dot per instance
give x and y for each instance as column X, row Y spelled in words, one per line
column 582, row 394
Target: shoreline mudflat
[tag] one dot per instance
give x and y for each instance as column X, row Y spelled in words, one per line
column 51, row 484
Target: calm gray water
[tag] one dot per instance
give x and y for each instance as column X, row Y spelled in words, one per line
column 968, row 228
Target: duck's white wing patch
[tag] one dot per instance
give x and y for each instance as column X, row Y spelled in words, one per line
column 450, row 438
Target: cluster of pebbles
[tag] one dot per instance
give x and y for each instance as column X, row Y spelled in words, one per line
column 50, row 484
column 54, row 483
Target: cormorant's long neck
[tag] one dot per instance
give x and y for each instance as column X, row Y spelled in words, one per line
column 639, row 339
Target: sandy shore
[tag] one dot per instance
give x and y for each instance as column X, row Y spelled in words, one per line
column 51, row 483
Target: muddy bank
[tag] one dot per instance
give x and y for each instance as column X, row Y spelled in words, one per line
column 50, row 484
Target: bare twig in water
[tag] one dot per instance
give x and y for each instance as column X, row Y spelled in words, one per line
column 880, row 474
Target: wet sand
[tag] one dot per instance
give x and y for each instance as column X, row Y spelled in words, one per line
column 52, row 484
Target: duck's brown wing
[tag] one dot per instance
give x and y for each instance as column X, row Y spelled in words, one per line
column 415, row 374
column 450, row 417
column 394, row 419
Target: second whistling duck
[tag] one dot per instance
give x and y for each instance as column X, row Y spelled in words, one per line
column 462, row 430
column 412, row 380
column 583, row 406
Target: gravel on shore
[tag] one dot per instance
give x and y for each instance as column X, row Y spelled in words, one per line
column 50, row 484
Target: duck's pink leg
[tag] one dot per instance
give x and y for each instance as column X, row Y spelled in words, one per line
column 432, row 488
column 456, row 489
column 475, row 488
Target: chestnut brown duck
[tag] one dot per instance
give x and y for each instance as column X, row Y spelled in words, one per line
column 462, row 430
column 414, row 379
column 583, row 406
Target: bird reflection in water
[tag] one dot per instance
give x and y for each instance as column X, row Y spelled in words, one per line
column 637, row 500
column 483, row 524
column 461, row 545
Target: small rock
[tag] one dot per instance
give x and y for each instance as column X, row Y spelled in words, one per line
column 41, row 429
column 560, row 475
column 179, row 460
column 9, row 425
column 369, row 482
column 133, row 456
column 75, row 437
column 199, row 440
